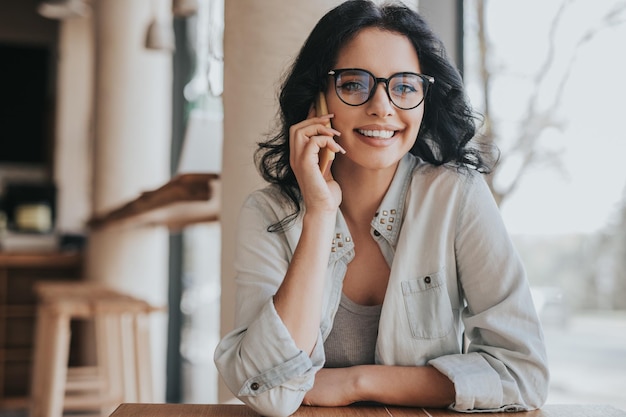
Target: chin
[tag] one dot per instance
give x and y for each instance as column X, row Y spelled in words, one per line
column 380, row 163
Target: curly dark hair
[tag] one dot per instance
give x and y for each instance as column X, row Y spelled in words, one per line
column 448, row 124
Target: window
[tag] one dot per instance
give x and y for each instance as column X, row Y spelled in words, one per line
column 554, row 102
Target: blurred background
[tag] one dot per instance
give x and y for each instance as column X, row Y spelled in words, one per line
column 548, row 78
column 106, row 102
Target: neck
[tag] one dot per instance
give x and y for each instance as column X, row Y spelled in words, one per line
column 362, row 192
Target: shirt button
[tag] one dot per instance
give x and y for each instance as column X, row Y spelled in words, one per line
column 376, row 233
column 427, row 280
column 254, row 386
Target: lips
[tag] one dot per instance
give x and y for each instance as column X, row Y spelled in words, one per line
column 383, row 134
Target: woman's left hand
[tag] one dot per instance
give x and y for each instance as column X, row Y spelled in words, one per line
column 333, row 387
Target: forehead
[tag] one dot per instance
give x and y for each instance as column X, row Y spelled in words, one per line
column 380, row 51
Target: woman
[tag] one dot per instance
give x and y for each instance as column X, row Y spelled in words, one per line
column 389, row 277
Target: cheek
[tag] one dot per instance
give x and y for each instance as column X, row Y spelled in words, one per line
column 343, row 119
column 419, row 113
column 337, row 124
column 415, row 121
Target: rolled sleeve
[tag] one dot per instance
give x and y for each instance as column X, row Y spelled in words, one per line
column 259, row 360
column 273, row 379
column 280, row 362
column 477, row 384
column 506, row 365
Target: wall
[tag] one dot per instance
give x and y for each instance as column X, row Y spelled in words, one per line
column 20, row 23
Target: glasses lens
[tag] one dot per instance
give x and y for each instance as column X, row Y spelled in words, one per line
column 353, row 87
column 406, row 90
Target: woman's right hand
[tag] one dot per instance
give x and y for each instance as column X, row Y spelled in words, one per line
column 319, row 190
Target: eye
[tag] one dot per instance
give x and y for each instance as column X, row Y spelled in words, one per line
column 353, row 86
column 403, row 89
column 405, row 84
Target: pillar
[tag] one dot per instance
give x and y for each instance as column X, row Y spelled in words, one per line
column 439, row 14
column 132, row 134
column 73, row 165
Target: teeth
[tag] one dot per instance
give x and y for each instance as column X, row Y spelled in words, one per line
column 385, row 134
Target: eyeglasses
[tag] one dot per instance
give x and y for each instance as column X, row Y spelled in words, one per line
column 406, row 90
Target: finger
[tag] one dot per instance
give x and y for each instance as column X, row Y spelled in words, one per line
column 312, row 118
column 322, row 134
column 324, row 142
column 324, row 119
column 310, row 127
column 321, row 126
column 313, row 141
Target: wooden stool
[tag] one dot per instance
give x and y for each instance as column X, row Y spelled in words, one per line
column 123, row 370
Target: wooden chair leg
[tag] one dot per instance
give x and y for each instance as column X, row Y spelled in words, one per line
column 109, row 359
column 143, row 359
column 40, row 365
column 53, row 344
column 129, row 367
column 60, row 345
column 112, row 359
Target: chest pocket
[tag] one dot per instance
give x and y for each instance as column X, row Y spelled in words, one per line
column 428, row 306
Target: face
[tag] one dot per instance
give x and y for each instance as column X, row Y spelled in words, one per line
column 377, row 134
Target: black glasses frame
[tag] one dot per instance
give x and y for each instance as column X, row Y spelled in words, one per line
column 426, row 79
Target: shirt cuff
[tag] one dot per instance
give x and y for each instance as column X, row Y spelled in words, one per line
column 278, row 359
column 477, row 384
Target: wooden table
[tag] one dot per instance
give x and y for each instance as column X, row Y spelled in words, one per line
column 230, row 410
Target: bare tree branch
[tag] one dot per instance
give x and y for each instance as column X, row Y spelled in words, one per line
column 536, row 118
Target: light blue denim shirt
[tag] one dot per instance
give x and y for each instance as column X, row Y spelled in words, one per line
column 457, row 299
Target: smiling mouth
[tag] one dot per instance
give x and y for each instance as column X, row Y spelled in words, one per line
column 383, row 134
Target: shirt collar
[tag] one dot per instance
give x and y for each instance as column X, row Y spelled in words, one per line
column 342, row 240
column 390, row 213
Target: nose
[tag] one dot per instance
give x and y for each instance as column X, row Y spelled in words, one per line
column 380, row 104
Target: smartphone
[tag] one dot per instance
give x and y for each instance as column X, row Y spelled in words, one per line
column 326, row 155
